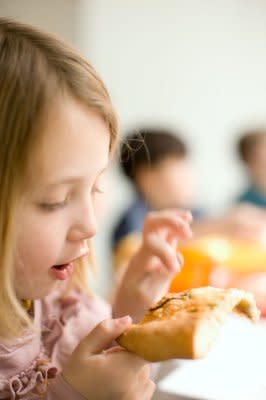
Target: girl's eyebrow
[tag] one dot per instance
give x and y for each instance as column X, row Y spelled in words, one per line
column 71, row 178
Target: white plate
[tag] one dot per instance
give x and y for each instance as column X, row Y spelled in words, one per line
column 235, row 369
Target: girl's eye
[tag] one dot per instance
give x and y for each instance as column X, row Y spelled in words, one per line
column 54, row 206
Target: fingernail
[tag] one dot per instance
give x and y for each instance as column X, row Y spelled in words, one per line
column 124, row 320
column 115, row 349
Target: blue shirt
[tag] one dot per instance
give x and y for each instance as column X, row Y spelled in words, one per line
column 251, row 195
column 133, row 218
column 131, row 221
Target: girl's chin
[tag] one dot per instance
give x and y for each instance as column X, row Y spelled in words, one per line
column 30, row 294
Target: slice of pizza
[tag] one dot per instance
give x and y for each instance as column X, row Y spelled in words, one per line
column 185, row 324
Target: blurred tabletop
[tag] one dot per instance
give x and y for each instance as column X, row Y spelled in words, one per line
column 234, row 369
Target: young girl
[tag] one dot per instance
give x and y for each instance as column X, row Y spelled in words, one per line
column 58, row 130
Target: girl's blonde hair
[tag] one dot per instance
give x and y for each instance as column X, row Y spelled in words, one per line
column 35, row 67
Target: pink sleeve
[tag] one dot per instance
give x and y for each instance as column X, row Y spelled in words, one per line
column 64, row 324
column 36, row 387
column 67, row 321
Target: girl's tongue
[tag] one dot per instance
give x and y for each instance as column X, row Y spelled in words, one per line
column 62, row 272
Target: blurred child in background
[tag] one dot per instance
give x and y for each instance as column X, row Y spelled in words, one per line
column 158, row 165
column 251, row 148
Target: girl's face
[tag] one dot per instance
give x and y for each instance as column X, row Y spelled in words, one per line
column 60, row 211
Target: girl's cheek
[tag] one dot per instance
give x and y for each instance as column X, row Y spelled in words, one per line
column 101, row 207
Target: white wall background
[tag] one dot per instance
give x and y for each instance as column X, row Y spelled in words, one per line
column 197, row 65
column 57, row 16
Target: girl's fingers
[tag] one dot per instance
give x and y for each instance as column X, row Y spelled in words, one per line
column 167, row 220
column 149, row 390
column 114, row 349
column 186, row 215
column 133, row 363
column 142, row 389
column 103, row 335
column 173, row 240
column 164, row 251
column 180, row 258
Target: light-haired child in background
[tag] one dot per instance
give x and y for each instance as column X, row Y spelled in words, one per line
column 58, row 131
column 251, row 149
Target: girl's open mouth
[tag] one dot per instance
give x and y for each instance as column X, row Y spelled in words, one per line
column 62, row 272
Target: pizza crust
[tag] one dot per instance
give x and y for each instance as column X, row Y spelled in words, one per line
column 185, row 324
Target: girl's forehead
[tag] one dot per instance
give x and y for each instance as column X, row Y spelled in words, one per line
column 75, row 141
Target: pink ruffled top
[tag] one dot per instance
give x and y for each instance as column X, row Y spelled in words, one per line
column 30, row 366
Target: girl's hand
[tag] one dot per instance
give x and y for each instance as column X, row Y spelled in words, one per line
column 151, row 269
column 111, row 374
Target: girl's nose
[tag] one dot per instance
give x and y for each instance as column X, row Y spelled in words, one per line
column 84, row 225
